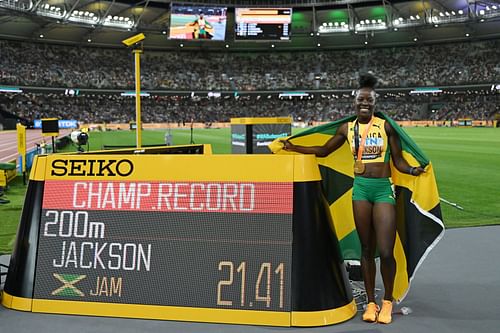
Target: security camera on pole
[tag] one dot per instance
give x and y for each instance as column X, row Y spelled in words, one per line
column 136, row 43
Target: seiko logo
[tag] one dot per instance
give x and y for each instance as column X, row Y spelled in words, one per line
column 100, row 168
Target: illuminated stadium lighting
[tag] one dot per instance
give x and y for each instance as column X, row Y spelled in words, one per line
column 333, row 27
column 89, row 40
column 41, row 36
column 83, row 17
column 370, row 25
column 17, row 5
column 402, row 22
column 467, row 35
column 489, row 13
column 118, row 22
column 319, row 44
column 52, row 11
column 447, row 17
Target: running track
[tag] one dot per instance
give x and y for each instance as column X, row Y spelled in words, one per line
column 8, row 142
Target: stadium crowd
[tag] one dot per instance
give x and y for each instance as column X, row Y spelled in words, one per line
column 105, row 108
column 48, row 65
column 51, row 65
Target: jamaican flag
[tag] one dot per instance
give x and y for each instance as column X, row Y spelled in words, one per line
column 419, row 223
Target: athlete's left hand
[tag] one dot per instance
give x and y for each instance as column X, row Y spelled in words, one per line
column 416, row 171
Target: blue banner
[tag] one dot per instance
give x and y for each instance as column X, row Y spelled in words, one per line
column 63, row 123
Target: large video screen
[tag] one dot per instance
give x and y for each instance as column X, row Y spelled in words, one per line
column 272, row 24
column 198, row 22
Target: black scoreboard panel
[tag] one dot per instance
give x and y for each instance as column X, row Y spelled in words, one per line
column 215, row 238
column 264, row 134
column 50, row 126
column 190, row 259
column 268, row 24
column 254, row 135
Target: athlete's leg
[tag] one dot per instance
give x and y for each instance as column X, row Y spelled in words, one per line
column 384, row 222
column 363, row 219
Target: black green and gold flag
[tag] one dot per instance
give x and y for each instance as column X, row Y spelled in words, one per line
column 419, row 222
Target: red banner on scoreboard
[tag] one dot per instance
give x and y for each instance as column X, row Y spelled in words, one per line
column 179, row 196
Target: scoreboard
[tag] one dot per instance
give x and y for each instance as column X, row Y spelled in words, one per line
column 183, row 237
column 203, row 237
column 266, row 24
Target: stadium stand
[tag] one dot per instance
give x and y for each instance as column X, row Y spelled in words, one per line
column 86, row 67
column 263, row 74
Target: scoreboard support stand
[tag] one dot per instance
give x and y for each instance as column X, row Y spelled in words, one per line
column 245, row 239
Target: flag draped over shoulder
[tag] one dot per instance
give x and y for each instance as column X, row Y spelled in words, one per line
column 419, row 222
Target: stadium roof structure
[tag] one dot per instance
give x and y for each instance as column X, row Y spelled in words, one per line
column 315, row 23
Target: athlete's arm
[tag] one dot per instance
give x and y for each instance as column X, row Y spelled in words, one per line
column 397, row 155
column 321, row 151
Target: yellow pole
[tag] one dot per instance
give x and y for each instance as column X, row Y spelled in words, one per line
column 138, row 131
column 21, row 148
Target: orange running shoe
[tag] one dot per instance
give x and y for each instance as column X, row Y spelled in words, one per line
column 385, row 315
column 371, row 312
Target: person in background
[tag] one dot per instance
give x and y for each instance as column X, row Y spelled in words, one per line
column 200, row 30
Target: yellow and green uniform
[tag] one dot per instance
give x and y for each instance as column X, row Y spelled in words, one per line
column 376, row 144
column 376, row 150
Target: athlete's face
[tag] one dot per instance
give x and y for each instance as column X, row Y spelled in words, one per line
column 364, row 103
